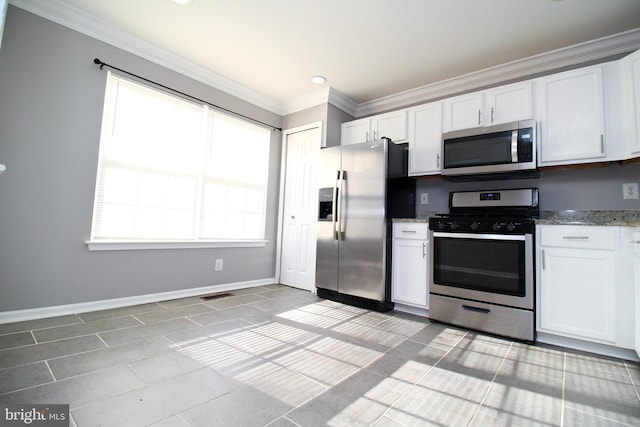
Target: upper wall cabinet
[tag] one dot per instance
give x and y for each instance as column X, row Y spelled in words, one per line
column 571, row 117
column 503, row 104
column 425, row 136
column 389, row 125
column 630, row 70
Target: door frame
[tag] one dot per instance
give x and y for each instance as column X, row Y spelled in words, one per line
column 281, row 197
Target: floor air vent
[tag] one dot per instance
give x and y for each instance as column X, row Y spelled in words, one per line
column 216, row 296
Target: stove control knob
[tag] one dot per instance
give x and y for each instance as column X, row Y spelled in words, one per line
column 511, row 226
column 442, row 225
column 496, row 226
column 474, row 225
column 454, row 225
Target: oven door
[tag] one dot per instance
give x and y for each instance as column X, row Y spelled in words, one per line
column 491, row 268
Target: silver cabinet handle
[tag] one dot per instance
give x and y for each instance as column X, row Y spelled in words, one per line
column 602, row 143
column 438, row 161
column 492, row 114
column 366, row 136
column 544, row 266
column 375, row 134
column 575, row 237
column 409, row 231
column 479, row 114
column 424, row 250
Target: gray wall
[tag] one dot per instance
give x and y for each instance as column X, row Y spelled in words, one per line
column 331, row 117
column 335, row 117
column 51, row 97
column 597, row 187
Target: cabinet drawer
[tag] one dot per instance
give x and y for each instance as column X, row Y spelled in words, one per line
column 410, row 230
column 584, row 237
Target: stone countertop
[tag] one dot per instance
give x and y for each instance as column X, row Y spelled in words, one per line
column 624, row 218
column 410, row 219
column 629, row 218
column 423, row 217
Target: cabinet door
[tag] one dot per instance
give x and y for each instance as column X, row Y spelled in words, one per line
column 409, row 272
column 425, row 139
column 571, row 117
column 391, row 125
column 577, row 293
column 508, row 103
column 463, row 112
column 356, row 131
column 631, row 90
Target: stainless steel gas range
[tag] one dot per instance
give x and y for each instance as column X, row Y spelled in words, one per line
column 482, row 262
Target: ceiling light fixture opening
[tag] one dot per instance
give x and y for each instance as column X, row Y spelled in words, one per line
column 318, row 80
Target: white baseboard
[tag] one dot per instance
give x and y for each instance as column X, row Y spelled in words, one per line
column 590, row 347
column 418, row 311
column 83, row 307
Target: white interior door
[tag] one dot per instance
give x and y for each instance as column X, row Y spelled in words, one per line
column 300, row 210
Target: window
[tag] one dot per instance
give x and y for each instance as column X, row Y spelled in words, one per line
column 173, row 171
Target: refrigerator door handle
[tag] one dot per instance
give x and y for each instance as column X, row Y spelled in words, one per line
column 340, row 190
column 335, row 209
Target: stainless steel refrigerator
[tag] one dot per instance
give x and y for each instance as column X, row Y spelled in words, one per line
column 362, row 186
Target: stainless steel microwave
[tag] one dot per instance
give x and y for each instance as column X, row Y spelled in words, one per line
column 509, row 147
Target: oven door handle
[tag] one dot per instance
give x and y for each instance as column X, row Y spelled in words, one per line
column 476, row 309
column 480, row 236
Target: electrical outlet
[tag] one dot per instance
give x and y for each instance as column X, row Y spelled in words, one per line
column 219, row 265
column 630, row 190
column 424, row 198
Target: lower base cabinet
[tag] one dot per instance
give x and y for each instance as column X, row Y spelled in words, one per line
column 410, row 256
column 583, row 285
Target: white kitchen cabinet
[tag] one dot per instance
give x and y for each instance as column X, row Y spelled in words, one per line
column 410, row 255
column 356, row 131
column 463, row 111
column 635, row 242
column 508, row 103
column 571, row 117
column 583, row 284
column 391, row 125
column 630, row 69
column 425, row 139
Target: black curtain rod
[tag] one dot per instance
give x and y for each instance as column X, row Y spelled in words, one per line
column 104, row 64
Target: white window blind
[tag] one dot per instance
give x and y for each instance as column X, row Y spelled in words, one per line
column 170, row 170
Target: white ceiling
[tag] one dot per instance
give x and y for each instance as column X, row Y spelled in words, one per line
column 367, row 49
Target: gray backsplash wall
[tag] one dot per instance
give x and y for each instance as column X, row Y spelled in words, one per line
column 51, row 97
column 597, row 187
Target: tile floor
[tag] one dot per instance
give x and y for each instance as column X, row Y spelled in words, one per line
column 279, row 356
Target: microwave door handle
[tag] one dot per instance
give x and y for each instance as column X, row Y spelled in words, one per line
column 514, row 146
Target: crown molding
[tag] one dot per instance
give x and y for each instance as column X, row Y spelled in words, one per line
column 86, row 24
column 343, row 102
column 591, row 51
column 325, row 96
column 304, row 102
column 572, row 56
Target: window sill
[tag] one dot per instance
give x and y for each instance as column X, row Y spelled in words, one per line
column 141, row 245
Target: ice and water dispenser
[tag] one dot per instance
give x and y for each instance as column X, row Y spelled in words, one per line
column 325, row 210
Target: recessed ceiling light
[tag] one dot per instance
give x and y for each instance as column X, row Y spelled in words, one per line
column 318, row 80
